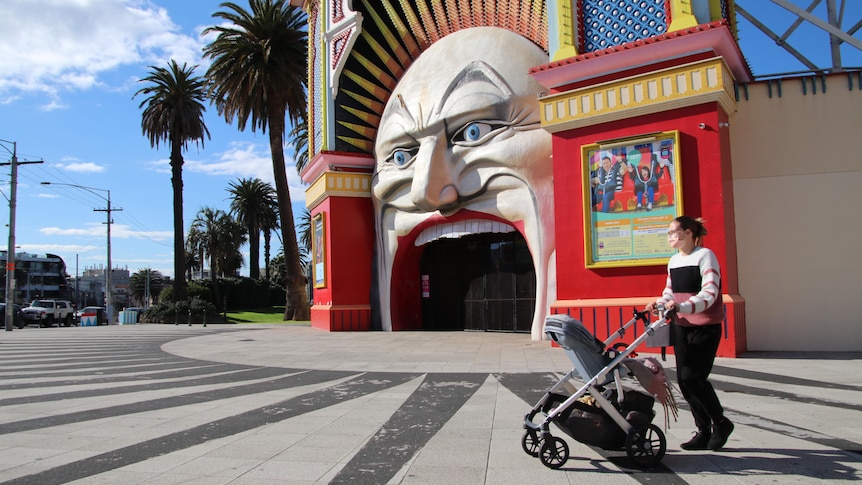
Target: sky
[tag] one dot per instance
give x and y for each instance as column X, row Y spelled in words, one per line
column 69, row 70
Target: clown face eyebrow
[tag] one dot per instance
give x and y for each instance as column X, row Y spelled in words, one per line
column 475, row 72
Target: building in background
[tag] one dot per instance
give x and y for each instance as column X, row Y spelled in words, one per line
column 89, row 288
column 38, row 276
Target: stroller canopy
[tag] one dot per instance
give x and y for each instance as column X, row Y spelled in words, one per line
column 583, row 348
column 566, row 326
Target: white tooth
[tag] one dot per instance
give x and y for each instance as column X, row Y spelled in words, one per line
column 460, row 229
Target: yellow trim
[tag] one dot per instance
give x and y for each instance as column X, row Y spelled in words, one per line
column 677, row 87
column 337, row 184
column 567, row 36
column 681, row 15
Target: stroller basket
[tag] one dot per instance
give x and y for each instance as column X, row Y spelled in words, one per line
column 590, row 424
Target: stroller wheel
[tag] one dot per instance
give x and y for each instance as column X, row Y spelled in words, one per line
column 554, row 452
column 531, row 442
column 646, row 445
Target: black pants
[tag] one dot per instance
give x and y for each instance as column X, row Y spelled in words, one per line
column 694, row 349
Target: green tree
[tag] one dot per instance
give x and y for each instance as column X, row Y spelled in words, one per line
column 216, row 236
column 299, row 141
column 259, row 72
column 251, row 201
column 174, row 114
column 192, row 263
column 231, row 238
column 203, row 236
column 145, row 286
column 305, row 230
column 268, row 224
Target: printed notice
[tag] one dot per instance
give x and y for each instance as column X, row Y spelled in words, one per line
column 614, row 239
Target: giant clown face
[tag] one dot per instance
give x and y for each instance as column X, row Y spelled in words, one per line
column 460, row 150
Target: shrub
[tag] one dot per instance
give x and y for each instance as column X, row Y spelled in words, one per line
column 170, row 312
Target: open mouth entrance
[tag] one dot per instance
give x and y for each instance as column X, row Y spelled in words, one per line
column 478, row 282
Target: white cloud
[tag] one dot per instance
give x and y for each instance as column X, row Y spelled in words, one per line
column 58, row 248
column 118, row 231
column 50, row 46
column 85, row 167
column 247, row 160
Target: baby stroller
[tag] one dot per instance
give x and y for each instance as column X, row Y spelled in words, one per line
column 601, row 412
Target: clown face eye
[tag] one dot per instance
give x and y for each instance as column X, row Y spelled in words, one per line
column 474, row 133
column 402, row 157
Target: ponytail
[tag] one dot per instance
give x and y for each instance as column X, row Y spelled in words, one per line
column 694, row 225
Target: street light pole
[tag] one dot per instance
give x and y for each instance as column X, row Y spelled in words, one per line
column 109, row 296
column 10, row 251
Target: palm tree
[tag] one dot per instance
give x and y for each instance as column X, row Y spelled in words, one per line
column 145, row 285
column 174, row 114
column 192, row 263
column 230, row 240
column 251, row 201
column 268, row 224
column 305, row 230
column 259, row 72
column 299, row 141
column 214, row 234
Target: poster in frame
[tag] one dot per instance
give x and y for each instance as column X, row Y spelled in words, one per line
column 318, row 249
column 632, row 193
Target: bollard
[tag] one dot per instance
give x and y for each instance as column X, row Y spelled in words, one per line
column 205, row 318
column 177, row 316
column 190, row 317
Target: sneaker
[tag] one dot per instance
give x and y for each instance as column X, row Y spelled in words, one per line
column 720, row 432
column 649, row 206
column 640, row 206
column 699, row 442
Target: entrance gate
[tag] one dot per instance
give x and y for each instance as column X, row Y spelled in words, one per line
column 480, row 282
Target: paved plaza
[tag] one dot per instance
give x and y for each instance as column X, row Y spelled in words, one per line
column 279, row 404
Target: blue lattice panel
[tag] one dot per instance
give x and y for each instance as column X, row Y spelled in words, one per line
column 608, row 23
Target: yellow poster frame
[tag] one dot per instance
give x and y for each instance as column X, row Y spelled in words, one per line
column 644, row 230
column 318, row 250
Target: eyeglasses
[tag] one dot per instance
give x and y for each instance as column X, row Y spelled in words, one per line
column 675, row 233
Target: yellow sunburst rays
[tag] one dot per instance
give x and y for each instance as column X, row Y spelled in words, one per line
column 407, row 34
column 442, row 19
column 465, row 14
column 428, row 23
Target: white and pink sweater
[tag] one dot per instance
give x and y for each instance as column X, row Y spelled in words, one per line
column 694, row 283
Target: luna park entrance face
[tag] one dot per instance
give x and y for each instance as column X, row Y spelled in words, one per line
column 480, row 282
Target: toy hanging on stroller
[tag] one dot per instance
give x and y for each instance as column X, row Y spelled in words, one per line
column 601, row 412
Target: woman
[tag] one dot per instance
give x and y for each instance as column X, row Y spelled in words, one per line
column 693, row 292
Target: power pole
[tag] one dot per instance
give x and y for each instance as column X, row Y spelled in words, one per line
column 10, row 252
column 109, row 294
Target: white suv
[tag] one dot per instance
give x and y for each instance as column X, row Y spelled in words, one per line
column 48, row 312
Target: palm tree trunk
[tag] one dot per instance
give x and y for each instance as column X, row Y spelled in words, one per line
column 296, row 299
column 179, row 240
column 214, row 281
column 266, row 248
column 254, row 252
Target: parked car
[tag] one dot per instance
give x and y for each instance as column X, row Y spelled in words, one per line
column 17, row 320
column 48, row 312
column 89, row 311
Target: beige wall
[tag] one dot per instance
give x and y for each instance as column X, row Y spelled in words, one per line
column 797, row 169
